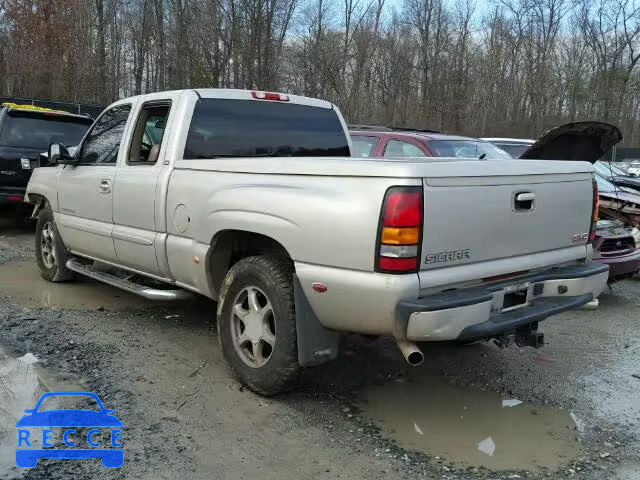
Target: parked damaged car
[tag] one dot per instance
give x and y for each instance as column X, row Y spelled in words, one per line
column 618, row 203
column 617, row 246
column 617, row 176
column 617, row 238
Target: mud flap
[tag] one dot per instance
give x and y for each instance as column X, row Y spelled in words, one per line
column 316, row 344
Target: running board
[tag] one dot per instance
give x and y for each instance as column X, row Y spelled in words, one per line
column 124, row 284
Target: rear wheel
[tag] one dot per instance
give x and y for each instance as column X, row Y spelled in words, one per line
column 256, row 324
column 51, row 254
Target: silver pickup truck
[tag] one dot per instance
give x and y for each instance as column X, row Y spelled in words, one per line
column 251, row 199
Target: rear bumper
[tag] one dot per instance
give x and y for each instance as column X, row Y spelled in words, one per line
column 623, row 265
column 478, row 312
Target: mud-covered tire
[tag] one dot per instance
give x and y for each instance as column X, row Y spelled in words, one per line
column 51, row 254
column 272, row 278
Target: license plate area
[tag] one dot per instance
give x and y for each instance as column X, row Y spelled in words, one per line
column 512, row 297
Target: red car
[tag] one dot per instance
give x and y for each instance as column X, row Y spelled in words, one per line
column 614, row 245
column 387, row 142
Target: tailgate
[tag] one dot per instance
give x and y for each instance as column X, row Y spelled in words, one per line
column 478, row 219
column 12, row 174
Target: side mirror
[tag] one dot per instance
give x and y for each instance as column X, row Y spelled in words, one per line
column 58, row 154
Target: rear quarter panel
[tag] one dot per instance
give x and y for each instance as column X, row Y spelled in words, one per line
column 330, row 221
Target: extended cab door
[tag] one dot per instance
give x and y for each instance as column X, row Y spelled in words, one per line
column 85, row 218
column 139, row 230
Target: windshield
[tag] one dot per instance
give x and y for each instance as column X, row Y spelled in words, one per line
column 37, row 131
column 467, row 149
column 513, row 149
column 607, row 169
column 242, row 128
column 604, row 185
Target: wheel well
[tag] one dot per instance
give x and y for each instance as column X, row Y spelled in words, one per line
column 36, row 198
column 39, row 202
column 230, row 246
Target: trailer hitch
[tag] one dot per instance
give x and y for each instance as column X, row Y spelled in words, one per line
column 529, row 336
column 526, row 336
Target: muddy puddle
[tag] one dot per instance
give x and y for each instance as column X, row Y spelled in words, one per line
column 22, row 282
column 22, row 380
column 472, row 427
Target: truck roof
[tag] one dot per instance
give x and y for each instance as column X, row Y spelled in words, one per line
column 238, row 94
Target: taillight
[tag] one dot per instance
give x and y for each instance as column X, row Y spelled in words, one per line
column 276, row 97
column 14, row 198
column 400, row 231
column 594, row 212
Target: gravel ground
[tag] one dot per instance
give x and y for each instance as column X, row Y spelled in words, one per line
column 161, row 369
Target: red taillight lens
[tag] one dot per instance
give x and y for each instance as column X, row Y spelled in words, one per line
column 275, row 97
column 403, row 209
column 594, row 212
column 400, row 231
column 398, row 265
column 14, row 198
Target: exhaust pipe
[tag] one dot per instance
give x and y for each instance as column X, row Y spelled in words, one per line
column 412, row 354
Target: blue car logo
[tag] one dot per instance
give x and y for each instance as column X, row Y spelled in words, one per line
column 68, row 418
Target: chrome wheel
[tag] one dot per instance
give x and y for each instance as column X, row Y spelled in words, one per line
column 47, row 245
column 253, row 327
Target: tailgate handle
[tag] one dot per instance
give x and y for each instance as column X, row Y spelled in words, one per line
column 524, row 201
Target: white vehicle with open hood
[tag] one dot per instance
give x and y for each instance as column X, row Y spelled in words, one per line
column 251, row 199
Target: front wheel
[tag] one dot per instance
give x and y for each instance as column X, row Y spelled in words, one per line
column 256, row 324
column 51, row 254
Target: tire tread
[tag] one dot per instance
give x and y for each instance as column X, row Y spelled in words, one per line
column 283, row 377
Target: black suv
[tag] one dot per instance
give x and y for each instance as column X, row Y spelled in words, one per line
column 25, row 132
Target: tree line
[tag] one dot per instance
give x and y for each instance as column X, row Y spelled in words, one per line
column 493, row 67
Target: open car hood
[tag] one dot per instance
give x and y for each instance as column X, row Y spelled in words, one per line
column 583, row 141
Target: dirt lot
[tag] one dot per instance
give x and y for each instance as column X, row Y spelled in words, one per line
column 366, row 415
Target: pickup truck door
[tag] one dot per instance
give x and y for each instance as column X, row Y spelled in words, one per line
column 139, row 229
column 85, row 217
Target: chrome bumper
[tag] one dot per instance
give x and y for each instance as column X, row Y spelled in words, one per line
column 479, row 312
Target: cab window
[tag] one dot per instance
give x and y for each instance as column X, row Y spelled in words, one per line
column 148, row 134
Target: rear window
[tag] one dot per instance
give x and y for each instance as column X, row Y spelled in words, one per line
column 38, row 131
column 246, row 128
column 604, row 185
column 608, row 170
column 467, row 149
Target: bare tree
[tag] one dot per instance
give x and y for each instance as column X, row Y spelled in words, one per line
column 517, row 69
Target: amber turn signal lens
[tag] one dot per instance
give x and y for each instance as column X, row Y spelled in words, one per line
column 400, row 236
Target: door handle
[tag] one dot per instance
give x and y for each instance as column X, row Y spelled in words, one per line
column 524, row 201
column 525, row 197
column 105, row 186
